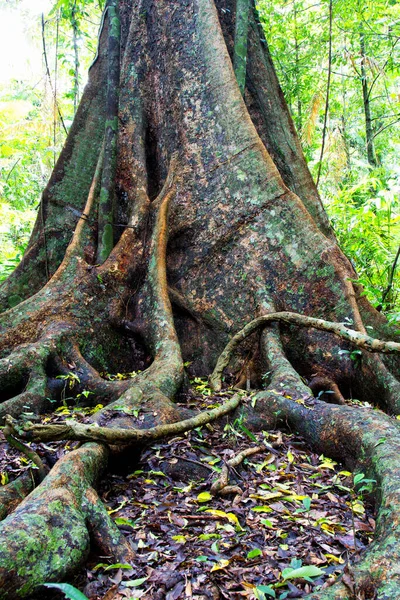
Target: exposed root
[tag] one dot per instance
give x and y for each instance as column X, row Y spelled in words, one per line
column 358, row 339
column 49, row 531
column 13, row 493
column 103, row 531
column 220, row 486
column 368, row 441
column 112, row 435
column 25, row 368
column 23, row 372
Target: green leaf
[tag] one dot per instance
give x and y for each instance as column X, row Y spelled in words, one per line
column 118, row 566
column 202, row 558
column 266, row 589
column 124, row 521
column 209, row 536
column 250, row 435
column 107, row 567
column 307, row 571
column 357, row 478
column 134, row 582
column 254, row 553
column 68, row 590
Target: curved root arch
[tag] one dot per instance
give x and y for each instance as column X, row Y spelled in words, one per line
column 356, row 338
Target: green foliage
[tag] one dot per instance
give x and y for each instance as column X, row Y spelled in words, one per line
column 68, row 590
column 366, row 218
column 362, row 199
column 25, row 164
column 32, row 133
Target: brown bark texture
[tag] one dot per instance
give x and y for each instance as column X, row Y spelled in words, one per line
column 180, row 212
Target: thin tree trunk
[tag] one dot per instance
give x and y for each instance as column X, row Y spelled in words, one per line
column 369, row 130
column 328, row 89
column 75, row 33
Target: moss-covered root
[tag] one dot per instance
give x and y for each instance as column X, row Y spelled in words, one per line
column 48, row 535
column 369, row 441
column 14, row 492
column 23, row 379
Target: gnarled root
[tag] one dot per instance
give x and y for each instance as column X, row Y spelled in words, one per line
column 368, row 441
column 125, row 436
column 14, row 492
column 221, row 485
column 360, row 340
column 48, row 535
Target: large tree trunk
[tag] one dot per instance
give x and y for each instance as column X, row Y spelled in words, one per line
column 247, row 236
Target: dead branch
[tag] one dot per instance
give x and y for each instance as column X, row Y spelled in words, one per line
column 220, row 486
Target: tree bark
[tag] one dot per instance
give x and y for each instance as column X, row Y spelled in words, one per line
column 215, row 222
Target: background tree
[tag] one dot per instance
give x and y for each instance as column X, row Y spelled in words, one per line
column 37, row 111
column 360, row 177
column 103, row 282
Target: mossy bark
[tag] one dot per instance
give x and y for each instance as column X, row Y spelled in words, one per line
column 216, row 223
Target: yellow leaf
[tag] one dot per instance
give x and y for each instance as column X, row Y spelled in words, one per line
column 204, row 497
column 265, row 509
column 230, row 516
column 179, row 538
column 221, row 564
column 328, row 528
column 358, row 507
column 266, row 496
column 326, row 465
column 290, row 457
column 333, row 558
column 294, row 498
column 245, row 584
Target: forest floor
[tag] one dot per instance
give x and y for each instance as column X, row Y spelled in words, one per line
column 292, row 528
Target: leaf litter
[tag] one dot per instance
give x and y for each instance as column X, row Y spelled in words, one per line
column 288, row 528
